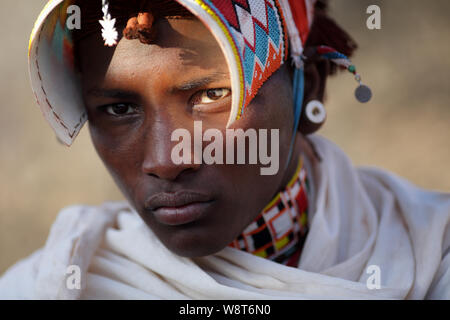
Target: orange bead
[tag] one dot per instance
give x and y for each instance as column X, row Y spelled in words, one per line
column 145, row 19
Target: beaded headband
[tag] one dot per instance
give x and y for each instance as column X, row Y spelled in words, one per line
column 253, row 34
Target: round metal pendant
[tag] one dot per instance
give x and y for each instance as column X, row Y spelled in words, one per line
column 363, row 93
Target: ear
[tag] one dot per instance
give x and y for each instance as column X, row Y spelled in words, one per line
column 316, row 73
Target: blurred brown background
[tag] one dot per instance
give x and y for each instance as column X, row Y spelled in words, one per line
column 405, row 128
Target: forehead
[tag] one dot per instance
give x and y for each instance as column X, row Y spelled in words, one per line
column 180, row 45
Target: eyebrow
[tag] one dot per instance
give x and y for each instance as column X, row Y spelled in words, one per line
column 111, row 93
column 186, row 86
column 201, row 82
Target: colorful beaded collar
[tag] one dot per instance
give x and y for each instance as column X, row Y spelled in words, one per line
column 279, row 231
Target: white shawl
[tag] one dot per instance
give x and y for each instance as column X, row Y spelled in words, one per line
column 361, row 217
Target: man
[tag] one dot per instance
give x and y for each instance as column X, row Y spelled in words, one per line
column 315, row 227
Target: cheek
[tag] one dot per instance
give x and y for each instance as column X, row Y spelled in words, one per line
column 252, row 189
column 119, row 158
column 279, row 109
column 273, row 111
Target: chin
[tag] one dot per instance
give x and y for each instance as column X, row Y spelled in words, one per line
column 191, row 244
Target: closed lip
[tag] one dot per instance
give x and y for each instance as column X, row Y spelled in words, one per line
column 178, row 208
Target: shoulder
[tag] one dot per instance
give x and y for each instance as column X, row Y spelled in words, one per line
column 18, row 281
column 73, row 223
column 82, row 222
column 399, row 204
column 376, row 180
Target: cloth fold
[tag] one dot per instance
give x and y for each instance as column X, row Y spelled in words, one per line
column 362, row 217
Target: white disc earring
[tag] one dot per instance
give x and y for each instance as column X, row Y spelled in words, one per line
column 315, row 112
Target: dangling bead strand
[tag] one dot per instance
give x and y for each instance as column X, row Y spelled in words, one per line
column 109, row 32
column 362, row 93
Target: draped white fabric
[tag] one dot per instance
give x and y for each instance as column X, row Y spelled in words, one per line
column 360, row 217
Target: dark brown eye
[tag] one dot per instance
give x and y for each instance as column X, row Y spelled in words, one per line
column 120, row 109
column 216, row 94
column 212, row 95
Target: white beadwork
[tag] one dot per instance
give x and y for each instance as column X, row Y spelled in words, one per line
column 109, row 32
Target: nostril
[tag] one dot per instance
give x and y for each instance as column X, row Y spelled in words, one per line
column 170, row 172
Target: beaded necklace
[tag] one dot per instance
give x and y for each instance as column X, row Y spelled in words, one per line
column 279, row 231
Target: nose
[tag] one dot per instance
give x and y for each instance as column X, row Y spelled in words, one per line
column 158, row 160
column 166, row 170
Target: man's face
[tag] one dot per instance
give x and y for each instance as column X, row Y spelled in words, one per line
column 136, row 95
